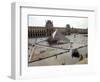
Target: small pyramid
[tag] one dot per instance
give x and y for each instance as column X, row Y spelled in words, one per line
column 57, row 37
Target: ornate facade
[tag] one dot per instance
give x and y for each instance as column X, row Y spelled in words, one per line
column 34, row 31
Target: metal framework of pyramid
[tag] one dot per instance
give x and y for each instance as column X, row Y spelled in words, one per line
column 57, row 37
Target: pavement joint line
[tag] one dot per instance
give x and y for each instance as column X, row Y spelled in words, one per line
column 56, row 54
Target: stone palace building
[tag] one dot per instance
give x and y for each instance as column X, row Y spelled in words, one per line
column 48, row 29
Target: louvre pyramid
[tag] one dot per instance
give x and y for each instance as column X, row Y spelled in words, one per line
column 58, row 37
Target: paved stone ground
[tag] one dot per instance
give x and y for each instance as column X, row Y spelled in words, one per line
column 42, row 54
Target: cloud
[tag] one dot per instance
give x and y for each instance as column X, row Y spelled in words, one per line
column 59, row 21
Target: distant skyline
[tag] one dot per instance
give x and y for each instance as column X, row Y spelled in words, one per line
column 59, row 21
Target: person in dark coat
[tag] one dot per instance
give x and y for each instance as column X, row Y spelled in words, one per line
column 75, row 53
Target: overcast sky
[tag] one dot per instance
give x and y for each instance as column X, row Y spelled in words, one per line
column 59, row 21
